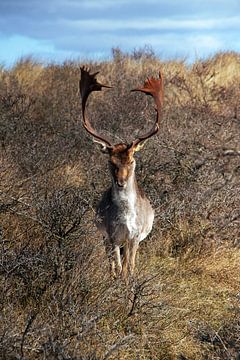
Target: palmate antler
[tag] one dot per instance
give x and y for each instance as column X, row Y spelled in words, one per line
column 87, row 84
column 152, row 86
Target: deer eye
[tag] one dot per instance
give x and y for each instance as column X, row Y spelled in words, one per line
column 113, row 166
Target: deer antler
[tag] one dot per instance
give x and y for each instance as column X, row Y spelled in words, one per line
column 153, row 87
column 87, row 84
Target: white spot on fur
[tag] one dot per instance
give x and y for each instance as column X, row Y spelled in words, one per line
column 128, row 197
column 131, row 215
column 144, row 234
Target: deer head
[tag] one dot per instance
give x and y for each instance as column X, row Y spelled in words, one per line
column 122, row 163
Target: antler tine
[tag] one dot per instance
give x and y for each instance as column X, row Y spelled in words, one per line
column 154, row 88
column 87, row 84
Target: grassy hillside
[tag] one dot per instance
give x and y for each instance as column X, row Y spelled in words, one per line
column 57, row 298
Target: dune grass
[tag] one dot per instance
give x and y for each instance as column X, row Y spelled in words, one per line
column 57, row 298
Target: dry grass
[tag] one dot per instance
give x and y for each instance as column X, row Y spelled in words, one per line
column 57, row 298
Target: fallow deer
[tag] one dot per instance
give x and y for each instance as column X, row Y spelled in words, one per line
column 124, row 215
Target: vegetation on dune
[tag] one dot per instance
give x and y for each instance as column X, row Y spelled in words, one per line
column 57, row 298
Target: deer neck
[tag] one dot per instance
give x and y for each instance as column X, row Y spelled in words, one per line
column 126, row 201
column 126, row 194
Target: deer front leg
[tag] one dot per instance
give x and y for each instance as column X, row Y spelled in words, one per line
column 132, row 256
column 117, row 260
column 125, row 265
column 113, row 253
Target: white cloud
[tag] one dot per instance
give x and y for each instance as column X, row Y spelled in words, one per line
column 154, row 24
column 175, row 45
column 17, row 47
column 22, row 46
column 90, row 28
column 111, row 3
column 184, row 3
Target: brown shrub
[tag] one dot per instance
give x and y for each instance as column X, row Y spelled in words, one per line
column 57, row 299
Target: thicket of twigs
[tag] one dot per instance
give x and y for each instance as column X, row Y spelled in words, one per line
column 57, row 298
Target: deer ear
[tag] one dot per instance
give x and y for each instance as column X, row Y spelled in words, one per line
column 139, row 146
column 103, row 148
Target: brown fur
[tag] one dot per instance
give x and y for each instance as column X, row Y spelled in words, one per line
column 125, row 215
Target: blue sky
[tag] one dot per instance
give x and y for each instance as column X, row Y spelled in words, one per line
column 56, row 30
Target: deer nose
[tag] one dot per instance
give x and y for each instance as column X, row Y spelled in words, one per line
column 121, row 183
